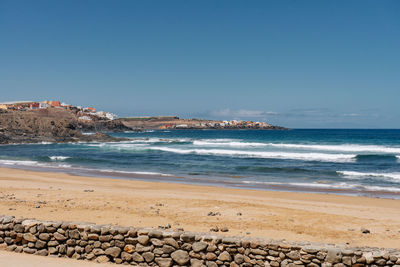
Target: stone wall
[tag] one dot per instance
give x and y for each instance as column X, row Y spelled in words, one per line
column 164, row 247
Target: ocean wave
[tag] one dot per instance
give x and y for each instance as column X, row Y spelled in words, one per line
column 336, row 186
column 360, row 175
column 21, row 162
column 258, row 154
column 130, row 172
column 58, row 158
column 343, row 148
column 227, row 143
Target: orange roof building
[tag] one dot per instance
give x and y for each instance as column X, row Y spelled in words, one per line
column 55, row 103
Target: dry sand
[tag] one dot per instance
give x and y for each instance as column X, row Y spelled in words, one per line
column 278, row 215
column 12, row 259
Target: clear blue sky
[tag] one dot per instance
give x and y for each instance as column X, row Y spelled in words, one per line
column 331, row 64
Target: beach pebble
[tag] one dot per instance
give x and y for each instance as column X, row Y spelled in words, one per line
column 214, row 229
column 365, row 231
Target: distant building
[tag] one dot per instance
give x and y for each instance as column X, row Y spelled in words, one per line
column 18, row 105
column 55, row 103
column 43, row 105
column 85, row 118
column 90, row 109
column 35, row 105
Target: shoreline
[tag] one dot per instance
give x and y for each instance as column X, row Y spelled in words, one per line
column 321, row 188
column 292, row 216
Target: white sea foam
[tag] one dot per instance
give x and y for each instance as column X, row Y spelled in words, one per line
column 132, row 172
column 63, row 166
column 58, row 158
column 343, row 148
column 360, row 175
column 337, row 186
column 228, row 143
column 88, row 133
column 259, row 154
column 21, row 163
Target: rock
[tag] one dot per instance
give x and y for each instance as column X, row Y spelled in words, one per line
column 59, row 236
column 29, row 250
column 168, row 249
column 155, row 234
column 211, row 256
column 293, row 255
column 143, row 239
column 126, row 256
column 93, row 236
column 214, row 229
column 19, row 228
column 70, row 251
column 196, row 263
column 129, row 248
column 365, row 231
column 225, row 256
column 148, row 256
column 74, row 234
column 40, row 244
column 52, row 243
column 257, row 251
column 180, row 256
column 44, row 236
column 239, row 259
column 102, row 259
column 98, row 251
column 137, row 257
column 333, row 256
column 172, row 242
column 113, row 252
column 29, row 237
column 163, row 262
column 188, row 237
column 140, row 248
column 105, row 238
column 42, row 252
column 199, row 246
column 347, row 260
column 224, row 229
column 156, row 242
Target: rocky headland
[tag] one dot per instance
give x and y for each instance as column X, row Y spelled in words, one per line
column 176, row 123
column 53, row 125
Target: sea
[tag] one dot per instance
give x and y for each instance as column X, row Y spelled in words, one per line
column 332, row 161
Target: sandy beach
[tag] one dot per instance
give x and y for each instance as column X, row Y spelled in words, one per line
column 278, row 215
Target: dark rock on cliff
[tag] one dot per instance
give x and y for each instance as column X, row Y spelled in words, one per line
column 49, row 125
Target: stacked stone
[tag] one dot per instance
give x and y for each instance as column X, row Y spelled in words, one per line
column 150, row 247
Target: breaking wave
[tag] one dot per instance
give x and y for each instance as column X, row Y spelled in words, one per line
column 261, row 154
column 58, row 158
column 360, row 175
column 344, row 148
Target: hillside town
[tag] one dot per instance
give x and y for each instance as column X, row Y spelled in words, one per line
column 83, row 113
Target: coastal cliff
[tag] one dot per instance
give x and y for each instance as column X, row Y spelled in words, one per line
column 52, row 125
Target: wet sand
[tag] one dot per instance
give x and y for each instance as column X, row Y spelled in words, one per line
column 279, row 215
